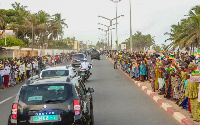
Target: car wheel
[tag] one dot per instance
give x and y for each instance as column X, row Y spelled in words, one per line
column 99, row 58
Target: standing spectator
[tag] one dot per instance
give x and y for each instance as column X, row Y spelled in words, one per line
column 28, row 69
column 143, row 71
column 1, row 75
column 6, row 74
column 56, row 60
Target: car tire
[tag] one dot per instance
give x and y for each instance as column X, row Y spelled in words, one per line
column 99, row 58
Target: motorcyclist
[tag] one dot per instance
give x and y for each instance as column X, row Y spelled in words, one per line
column 85, row 65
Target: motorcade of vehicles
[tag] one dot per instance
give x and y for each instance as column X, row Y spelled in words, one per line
column 95, row 54
column 54, row 101
column 77, row 59
column 58, row 71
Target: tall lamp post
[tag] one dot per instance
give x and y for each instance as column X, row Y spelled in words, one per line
column 110, row 21
column 116, row 2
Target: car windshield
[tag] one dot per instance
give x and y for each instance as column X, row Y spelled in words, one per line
column 50, row 73
column 78, row 56
column 40, row 94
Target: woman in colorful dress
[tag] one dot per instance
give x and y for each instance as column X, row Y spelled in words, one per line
column 143, row 70
column 191, row 91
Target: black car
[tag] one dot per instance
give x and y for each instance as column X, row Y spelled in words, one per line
column 95, row 55
column 55, row 101
column 77, row 59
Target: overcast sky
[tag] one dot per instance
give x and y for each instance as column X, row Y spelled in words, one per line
column 153, row 17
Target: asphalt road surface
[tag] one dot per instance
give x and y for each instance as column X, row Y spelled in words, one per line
column 116, row 99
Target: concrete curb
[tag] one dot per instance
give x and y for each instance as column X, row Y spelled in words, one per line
column 172, row 111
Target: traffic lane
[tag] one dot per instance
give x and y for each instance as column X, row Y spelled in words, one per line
column 5, row 110
column 118, row 101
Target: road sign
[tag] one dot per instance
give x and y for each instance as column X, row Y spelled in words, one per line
column 123, row 46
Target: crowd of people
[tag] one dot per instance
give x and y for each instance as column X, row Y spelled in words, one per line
column 15, row 71
column 175, row 76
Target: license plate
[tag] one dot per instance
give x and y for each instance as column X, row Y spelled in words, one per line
column 45, row 118
column 82, row 73
column 77, row 60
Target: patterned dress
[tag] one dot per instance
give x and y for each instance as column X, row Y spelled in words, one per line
column 177, row 87
column 191, row 92
column 152, row 74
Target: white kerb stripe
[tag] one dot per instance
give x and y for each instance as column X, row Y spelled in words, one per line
column 7, row 99
column 144, row 87
column 165, row 106
column 156, row 98
column 139, row 84
column 149, row 92
column 178, row 116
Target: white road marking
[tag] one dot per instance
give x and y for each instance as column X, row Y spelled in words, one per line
column 7, row 99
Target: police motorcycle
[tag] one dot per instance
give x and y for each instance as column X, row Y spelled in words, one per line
column 85, row 73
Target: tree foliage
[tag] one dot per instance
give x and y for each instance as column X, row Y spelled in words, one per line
column 140, row 41
column 187, row 32
column 11, row 41
column 46, row 28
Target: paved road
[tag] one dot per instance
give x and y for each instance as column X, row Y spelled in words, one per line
column 117, row 101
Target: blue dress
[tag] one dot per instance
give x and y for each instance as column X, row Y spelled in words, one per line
column 143, row 70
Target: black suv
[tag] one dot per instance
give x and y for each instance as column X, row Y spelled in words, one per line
column 95, row 54
column 55, row 101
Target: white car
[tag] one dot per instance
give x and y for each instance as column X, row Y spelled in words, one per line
column 58, row 71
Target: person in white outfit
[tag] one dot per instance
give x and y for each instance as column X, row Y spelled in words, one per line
column 85, row 65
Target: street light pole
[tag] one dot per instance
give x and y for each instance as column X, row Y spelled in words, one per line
column 116, row 29
column 130, row 29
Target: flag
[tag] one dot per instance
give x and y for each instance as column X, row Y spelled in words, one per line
column 158, row 62
column 171, row 57
column 196, row 70
column 198, row 52
column 3, row 33
column 192, row 73
column 178, row 65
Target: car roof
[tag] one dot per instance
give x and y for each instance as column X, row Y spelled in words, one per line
column 58, row 68
column 52, row 80
column 78, row 54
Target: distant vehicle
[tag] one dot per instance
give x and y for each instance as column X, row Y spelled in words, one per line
column 77, row 59
column 95, row 55
column 55, row 101
column 58, row 71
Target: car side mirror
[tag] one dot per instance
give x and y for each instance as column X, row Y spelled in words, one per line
column 90, row 90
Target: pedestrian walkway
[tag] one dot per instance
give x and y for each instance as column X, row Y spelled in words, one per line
column 179, row 114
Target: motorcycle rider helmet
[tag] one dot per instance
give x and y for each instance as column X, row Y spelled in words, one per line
column 85, row 60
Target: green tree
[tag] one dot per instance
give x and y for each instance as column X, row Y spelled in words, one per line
column 11, row 41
